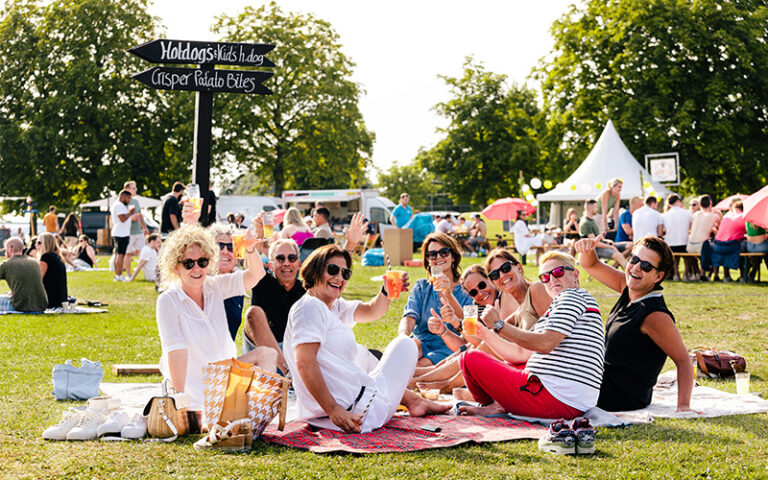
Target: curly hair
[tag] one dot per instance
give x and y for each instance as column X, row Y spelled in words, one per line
column 449, row 242
column 219, row 229
column 176, row 245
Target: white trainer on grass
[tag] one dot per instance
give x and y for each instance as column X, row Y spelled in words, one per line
column 69, row 419
column 86, row 429
column 114, row 424
column 136, row 428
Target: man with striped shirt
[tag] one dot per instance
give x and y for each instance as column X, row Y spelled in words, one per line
column 564, row 354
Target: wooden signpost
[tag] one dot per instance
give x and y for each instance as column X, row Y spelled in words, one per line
column 205, row 80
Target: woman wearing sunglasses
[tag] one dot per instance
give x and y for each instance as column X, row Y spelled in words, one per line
column 640, row 331
column 563, row 354
column 441, row 252
column 333, row 388
column 191, row 317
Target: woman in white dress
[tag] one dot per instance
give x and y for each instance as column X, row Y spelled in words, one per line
column 524, row 240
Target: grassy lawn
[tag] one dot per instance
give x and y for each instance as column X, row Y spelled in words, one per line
column 731, row 316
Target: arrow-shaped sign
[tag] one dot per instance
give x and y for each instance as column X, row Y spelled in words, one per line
column 232, row 81
column 204, row 53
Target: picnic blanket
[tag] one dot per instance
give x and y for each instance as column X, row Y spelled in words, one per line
column 404, row 433
column 78, row 310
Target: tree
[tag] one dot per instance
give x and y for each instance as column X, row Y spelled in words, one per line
column 412, row 179
column 73, row 124
column 685, row 76
column 491, row 137
column 310, row 133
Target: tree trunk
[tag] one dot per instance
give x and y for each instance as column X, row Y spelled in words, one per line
column 278, row 173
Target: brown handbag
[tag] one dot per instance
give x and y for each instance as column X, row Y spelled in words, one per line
column 720, row 363
column 164, row 420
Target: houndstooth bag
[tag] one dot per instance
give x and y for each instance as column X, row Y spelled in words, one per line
column 265, row 395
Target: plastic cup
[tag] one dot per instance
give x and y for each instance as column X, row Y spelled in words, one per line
column 435, row 272
column 695, row 365
column 430, row 393
column 269, row 225
column 193, row 193
column 742, row 383
column 394, row 281
column 238, row 241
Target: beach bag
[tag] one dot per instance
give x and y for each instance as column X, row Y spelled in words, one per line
column 238, row 393
column 166, row 419
column 373, row 257
column 719, row 363
column 77, row 383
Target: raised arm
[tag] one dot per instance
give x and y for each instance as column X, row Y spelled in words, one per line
column 376, row 307
column 604, row 273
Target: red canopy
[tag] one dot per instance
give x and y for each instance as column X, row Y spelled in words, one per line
column 725, row 204
column 756, row 208
column 506, row 209
column 278, row 215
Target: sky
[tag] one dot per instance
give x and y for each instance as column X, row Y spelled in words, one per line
column 400, row 47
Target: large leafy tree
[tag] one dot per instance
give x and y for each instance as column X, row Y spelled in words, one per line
column 412, row 178
column 73, row 124
column 310, row 132
column 492, row 136
column 685, row 76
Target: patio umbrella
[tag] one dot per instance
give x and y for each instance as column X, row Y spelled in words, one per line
column 725, row 203
column 756, row 208
column 278, row 215
column 506, row 209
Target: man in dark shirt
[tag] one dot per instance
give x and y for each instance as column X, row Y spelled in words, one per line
column 171, row 212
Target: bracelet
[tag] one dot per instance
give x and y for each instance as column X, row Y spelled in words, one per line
column 445, row 330
column 384, row 291
column 250, row 251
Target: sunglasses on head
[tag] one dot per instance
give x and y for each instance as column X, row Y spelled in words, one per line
column 334, row 270
column 504, row 268
column 480, row 286
column 443, row 252
column 226, row 246
column 645, row 265
column 189, row 263
column 292, row 257
column 555, row 272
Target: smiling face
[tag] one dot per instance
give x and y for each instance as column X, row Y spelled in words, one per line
column 330, row 287
column 485, row 296
column 285, row 271
column 616, row 189
column 555, row 286
column 195, row 277
column 511, row 281
column 636, row 278
column 439, row 261
column 226, row 256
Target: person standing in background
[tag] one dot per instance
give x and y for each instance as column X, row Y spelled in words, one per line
column 51, row 221
column 139, row 229
column 402, row 213
column 171, row 211
column 677, row 223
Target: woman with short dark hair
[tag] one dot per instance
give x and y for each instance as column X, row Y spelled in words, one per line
column 333, row 388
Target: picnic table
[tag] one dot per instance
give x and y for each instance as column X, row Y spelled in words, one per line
column 747, row 256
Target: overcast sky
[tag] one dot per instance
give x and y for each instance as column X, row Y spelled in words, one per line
column 400, row 47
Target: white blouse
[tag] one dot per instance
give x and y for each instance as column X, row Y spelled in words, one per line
column 203, row 333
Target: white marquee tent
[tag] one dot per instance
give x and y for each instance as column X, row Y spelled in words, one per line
column 608, row 159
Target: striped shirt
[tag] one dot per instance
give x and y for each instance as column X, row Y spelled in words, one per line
column 573, row 371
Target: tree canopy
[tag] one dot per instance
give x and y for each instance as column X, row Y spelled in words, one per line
column 492, row 136
column 310, row 134
column 73, row 124
column 685, row 76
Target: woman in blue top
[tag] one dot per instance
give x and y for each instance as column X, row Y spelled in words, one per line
column 439, row 250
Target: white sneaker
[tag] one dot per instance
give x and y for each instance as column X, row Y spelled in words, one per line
column 86, row 429
column 118, row 278
column 69, row 419
column 136, row 427
column 113, row 424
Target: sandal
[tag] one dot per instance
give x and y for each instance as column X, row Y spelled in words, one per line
column 237, row 436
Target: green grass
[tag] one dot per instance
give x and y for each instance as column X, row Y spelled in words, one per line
column 729, row 316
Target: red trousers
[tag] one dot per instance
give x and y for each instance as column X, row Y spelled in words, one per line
column 489, row 379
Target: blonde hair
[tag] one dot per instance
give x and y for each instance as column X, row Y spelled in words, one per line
column 176, row 245
column 614, row 181
column 48, row 243
column 293, row 217
column 561, row 256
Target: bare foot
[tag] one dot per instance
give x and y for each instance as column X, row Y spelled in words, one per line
column 463, row 394
column 419, row 407
column 490, row 409
column 444, row 385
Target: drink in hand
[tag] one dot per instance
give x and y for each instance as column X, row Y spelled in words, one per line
column 269, row 225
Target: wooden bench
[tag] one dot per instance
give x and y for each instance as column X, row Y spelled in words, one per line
column 747, row 256
column 120, row 369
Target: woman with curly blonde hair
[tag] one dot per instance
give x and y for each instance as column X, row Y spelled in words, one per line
column 191, row 317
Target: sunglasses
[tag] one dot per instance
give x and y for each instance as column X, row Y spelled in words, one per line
column 189, row 263
column 226, row 246
column 334, row 270
column 555, row 272
column 480, row 286
column 291, row 258
column 645, row 265
column 443, row 252
column 504, row 268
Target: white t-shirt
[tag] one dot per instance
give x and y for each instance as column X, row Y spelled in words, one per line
column 311, row 321
column 645, row 220
column 677, row 222
column 444, row 226
column 204, row 334
column 120, row 229
column 149, row 255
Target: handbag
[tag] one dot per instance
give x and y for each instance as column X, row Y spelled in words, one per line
column 238, row 393
column 719, row 363
column 167, row 416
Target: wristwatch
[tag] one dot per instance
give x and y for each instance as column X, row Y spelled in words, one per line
column 498, row 325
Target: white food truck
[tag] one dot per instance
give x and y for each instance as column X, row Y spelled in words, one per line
column 343, row 204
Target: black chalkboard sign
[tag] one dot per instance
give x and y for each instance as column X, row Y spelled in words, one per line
column 231, row 81
column 204, row 53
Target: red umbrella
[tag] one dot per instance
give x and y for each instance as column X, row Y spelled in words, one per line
column 506, row 209
column 756, row 208
column 278, row 215
column 725, row 204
